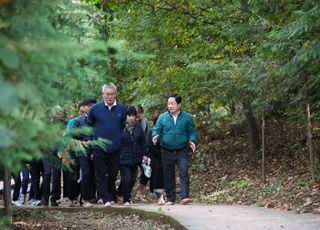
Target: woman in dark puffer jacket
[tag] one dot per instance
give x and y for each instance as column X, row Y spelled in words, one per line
column 133, row 150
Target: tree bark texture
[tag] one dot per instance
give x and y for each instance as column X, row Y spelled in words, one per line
column 7, row 195
column 263, row 150
column 310, row 145
column 252, row 128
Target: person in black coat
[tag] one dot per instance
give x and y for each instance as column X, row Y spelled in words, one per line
column 133, row 150
column 157, row 179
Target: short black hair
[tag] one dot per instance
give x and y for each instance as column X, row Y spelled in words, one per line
column 176, row 96
column 131, row 111
column 89, row 102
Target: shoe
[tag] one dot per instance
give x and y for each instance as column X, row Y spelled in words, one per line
column 100, row 201
column 35, row 203
column 186, row 201
column 107, row 204
column 31, row 201
column 22, row 199
column 86, row 204
column 169, row 203
column 17, row 203
column 64, row 200
column 127, row 203
column 54, row 203
column 45, row 203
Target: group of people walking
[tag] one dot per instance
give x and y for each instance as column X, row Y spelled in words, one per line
column 129, row 144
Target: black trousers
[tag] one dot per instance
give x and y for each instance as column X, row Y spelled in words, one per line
column 36, row 170
column 128, row 178
column 46, row 180
column 169, row 160
column 106, row 172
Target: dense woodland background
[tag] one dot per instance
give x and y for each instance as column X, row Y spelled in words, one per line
column 248, row 70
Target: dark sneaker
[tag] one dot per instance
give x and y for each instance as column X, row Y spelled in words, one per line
column 45, row 203
column 54, row 203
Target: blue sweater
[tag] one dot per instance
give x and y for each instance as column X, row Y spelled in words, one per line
column 108, row 124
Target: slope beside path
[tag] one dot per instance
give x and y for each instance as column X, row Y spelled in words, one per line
column 217, row 217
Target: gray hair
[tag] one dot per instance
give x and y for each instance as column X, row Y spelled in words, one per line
column 109, row 85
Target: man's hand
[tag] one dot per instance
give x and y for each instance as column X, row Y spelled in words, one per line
column 192, row 146
column 155, row 139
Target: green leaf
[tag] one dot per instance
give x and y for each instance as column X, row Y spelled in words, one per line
column 6, row 137
column 9, row 58
column 8, row 96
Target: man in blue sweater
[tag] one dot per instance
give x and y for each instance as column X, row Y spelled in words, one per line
column 107, row 118
column 176, row 132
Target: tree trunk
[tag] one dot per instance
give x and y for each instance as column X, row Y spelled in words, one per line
column 263, row 150
column 253, row 129
column 7, row 196
column 310, row 146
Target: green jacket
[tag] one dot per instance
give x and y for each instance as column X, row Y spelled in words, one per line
column 175, row 136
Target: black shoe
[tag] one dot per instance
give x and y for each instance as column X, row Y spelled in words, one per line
column 54, row 203
column 44, row 203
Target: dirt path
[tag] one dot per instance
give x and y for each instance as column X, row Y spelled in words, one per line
column 219, row 217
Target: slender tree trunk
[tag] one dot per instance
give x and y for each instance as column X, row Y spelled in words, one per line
column 310, row 146
column 7, row 196
column 253, row 129
column 263, row 150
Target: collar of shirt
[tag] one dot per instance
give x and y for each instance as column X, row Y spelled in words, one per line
column 110, row 107
column 175, row 117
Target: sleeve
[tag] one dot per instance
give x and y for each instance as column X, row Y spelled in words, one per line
column 157, row 129
column 142, row 143
column 91, row 117
column 153, row 149
column 192, row 130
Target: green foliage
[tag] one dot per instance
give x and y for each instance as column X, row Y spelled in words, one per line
column 49, row 53
column 215, row 54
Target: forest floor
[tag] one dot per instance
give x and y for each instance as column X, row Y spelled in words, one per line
column 221, row 173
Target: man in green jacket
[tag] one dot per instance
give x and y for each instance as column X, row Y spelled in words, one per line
column 176, row 131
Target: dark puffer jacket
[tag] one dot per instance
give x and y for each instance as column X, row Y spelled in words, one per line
column 133, row 146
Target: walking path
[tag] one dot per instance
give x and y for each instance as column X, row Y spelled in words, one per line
column 230, row 217
column 233, row 217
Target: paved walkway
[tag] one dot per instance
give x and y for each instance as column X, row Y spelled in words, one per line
column 220, row 217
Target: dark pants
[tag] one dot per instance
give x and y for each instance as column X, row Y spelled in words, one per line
column 56, row 183
column 85, row 184
column 46, row 180
column 128, row 178
column 169, row 160
column 25, row 182
column 156, row 179
column 17, row 186
column 36, row 169
column 106, row 170
column 72, row 180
